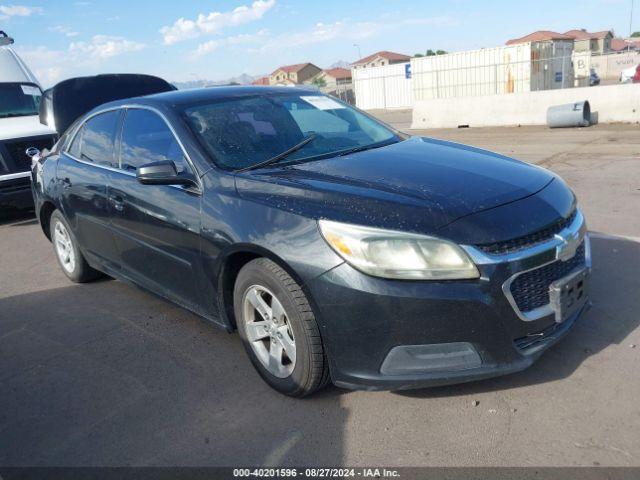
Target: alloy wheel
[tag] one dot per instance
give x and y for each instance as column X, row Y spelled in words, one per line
column 64, row 247
column 268, row 331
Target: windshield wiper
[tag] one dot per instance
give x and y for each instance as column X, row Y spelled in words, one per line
column 362, row 148
column 280, row 156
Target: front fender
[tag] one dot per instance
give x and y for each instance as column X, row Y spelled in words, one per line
column 45, row 188
column 232, row 224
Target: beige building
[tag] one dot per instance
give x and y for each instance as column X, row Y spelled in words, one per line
column 380, row 59
column 261, row 81
column 334, row 76
column 598, row 43
column 619, row 45
column 294, row 74
column 540, row 36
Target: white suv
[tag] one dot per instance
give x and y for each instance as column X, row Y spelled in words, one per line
column 20, row 127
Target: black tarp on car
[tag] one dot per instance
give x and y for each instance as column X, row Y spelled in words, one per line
column 63, row 103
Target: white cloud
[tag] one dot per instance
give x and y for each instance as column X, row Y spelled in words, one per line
column 40, row 60
column 345, row 31
column 64, row 31
column 80, row 58
column 320, row 33
column 212, row 45
column 105, row 46
column 18, row 10
column 215, row 22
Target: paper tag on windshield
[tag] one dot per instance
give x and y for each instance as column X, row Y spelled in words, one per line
column 322, row 103
column 31, row 90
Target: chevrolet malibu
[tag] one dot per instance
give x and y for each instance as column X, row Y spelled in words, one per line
column 340, row 249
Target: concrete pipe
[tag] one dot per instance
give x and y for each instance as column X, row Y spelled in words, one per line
column 572, row 115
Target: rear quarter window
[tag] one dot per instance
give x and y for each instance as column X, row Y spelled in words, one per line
column 74, row 147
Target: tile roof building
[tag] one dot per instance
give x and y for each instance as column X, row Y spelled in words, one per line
column 381, row 58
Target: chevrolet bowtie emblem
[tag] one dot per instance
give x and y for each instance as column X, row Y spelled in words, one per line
column 567, row 249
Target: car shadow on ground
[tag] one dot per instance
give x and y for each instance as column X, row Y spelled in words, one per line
column 615, row 284
column 106, row 374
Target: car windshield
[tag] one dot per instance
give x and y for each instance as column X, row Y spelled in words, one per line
column 245, row 131
column 19, row 99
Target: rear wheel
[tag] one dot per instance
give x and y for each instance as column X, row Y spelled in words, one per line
column 279, row 330
column 73, row 263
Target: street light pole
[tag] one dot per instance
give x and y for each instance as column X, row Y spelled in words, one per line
column 630, row 28
column 359, row 52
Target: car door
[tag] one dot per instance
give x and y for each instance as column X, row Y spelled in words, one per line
column 83, row 174
column 156, row 227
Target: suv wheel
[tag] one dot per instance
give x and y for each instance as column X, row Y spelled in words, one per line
column 73, row 263
column 278, row 329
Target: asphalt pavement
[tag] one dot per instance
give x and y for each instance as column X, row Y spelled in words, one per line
column 106, row 374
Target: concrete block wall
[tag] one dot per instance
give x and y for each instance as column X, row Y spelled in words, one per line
column 611, row 104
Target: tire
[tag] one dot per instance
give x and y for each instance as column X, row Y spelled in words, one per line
column 65, row 247
column 295, row 323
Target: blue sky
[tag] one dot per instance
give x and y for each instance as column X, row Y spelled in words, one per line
column 187, row 39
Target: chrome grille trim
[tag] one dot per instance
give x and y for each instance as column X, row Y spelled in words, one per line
column 547, row 309
column 529, row 240
column 577, row 228
column 576, row 232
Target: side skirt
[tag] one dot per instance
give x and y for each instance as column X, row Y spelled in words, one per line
column 118, row 274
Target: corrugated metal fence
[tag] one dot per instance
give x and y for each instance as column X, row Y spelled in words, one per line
column 384, row 87
column 492, row 71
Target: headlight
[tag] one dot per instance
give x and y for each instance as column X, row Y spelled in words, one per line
column 391, row 254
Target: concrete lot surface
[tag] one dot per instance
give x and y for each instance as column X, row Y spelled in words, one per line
column 105, row 374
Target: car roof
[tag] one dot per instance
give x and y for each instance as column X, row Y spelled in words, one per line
column 198, row 95
column 13, row 69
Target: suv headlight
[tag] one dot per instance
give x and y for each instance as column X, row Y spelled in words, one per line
column 400, row 255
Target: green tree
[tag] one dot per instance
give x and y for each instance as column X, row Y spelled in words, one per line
column 635, row 34
column 432, row 53
column 418, row 55
column 319, row 82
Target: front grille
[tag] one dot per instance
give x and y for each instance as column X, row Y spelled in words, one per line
column 15, row 185
column 18, row 148
column 526, row 241
column 531, row 289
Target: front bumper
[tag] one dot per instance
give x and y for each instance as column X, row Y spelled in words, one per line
column 15, row 191
column 468, row 329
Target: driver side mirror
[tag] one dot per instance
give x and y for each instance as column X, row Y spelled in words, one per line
column 162, row 173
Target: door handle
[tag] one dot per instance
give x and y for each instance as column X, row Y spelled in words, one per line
column 118, row 203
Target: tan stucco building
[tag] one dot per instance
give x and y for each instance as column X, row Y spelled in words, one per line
column 294, row 74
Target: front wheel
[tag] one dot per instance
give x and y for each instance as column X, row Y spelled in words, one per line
column 279, row 330
column 71, row 260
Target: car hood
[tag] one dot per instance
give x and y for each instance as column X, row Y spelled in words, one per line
column 21, row 127
column 382, row 187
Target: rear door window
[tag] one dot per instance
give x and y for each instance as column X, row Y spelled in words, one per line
column 98, row 139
